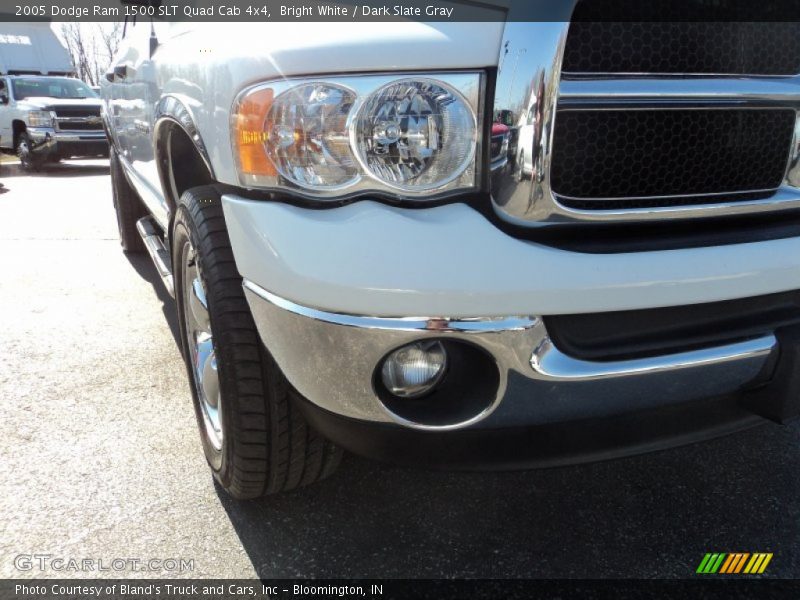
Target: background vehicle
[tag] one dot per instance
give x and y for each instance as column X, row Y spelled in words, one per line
column 506, row 117
column 324, row 204
column 45, row 115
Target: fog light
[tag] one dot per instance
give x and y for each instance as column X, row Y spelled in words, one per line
column 414, row 370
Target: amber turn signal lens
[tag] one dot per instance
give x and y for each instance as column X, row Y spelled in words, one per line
column 251, row 135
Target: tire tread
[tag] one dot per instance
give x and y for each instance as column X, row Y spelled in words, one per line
column 273, row 449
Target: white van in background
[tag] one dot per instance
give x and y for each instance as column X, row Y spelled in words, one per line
column 46, row 114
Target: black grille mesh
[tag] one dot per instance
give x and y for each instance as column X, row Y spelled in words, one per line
column 742, row 48
column 67, row 126
column 70, row 111
column 645, row 153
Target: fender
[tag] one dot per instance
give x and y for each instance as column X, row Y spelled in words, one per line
column 173, row 109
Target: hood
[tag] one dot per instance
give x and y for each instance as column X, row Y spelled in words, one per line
column 43, row 102
column 240, row 53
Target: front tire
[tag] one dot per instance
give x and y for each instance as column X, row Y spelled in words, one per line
column 29, row 160
column 254, row 438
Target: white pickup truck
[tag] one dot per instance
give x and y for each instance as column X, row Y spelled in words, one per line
column 46, row 114
column 363, row 260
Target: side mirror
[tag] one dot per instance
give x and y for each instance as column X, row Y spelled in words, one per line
column 3, row 97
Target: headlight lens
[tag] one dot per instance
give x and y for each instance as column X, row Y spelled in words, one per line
column 40, row 118
column 341, row 136
column 306, row 136
column 415, row 134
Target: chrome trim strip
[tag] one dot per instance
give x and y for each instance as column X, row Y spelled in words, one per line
column 785, row 198
column 783, row 92
column 551, row 364
column 331, row 358
column 158, row 252
column 665, row 197
column 527, row 88
column 439, row 325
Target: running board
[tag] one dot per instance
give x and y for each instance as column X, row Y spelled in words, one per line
column 158, row 252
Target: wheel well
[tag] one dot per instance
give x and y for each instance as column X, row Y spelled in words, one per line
column 180, row 165
column 18, row 127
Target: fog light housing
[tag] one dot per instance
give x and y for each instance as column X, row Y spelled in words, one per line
column 414, row 370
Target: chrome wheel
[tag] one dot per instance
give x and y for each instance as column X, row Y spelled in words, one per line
column 200, row 340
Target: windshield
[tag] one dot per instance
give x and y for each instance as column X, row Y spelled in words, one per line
column 51, row 87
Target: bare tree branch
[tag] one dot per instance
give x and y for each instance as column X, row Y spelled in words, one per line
column 91, row 48
column 110, row 38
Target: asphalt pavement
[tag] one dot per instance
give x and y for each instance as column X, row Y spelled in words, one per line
column 101, row 458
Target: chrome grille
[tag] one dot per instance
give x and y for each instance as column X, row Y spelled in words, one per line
column 613, row 144
column 71, row 118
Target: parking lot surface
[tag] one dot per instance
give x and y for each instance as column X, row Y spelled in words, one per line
column 102, row 460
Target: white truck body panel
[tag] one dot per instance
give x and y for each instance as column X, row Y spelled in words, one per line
column 376, row 260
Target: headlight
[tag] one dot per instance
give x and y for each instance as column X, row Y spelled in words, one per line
column 306, row 136
column 40, row 118
column 415, row 135
column 403, row 135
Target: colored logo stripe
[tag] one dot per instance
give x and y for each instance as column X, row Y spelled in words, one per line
column 758, row 563
column 723, row 563
column 711, row 563
column 734, row 563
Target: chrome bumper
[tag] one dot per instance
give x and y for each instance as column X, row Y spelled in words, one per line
column 331, row 358
column 46, row 138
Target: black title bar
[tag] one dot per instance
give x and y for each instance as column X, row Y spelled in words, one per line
column 394, row 589
column 399, row 10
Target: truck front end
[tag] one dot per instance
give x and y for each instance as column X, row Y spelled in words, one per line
column 55, row 118
column 627, row 280
column 496, row 244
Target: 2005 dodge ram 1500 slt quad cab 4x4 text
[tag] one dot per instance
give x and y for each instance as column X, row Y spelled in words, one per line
column 502, row 244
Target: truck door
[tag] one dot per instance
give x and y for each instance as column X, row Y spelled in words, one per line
column 134, row 96
column 121, row 106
